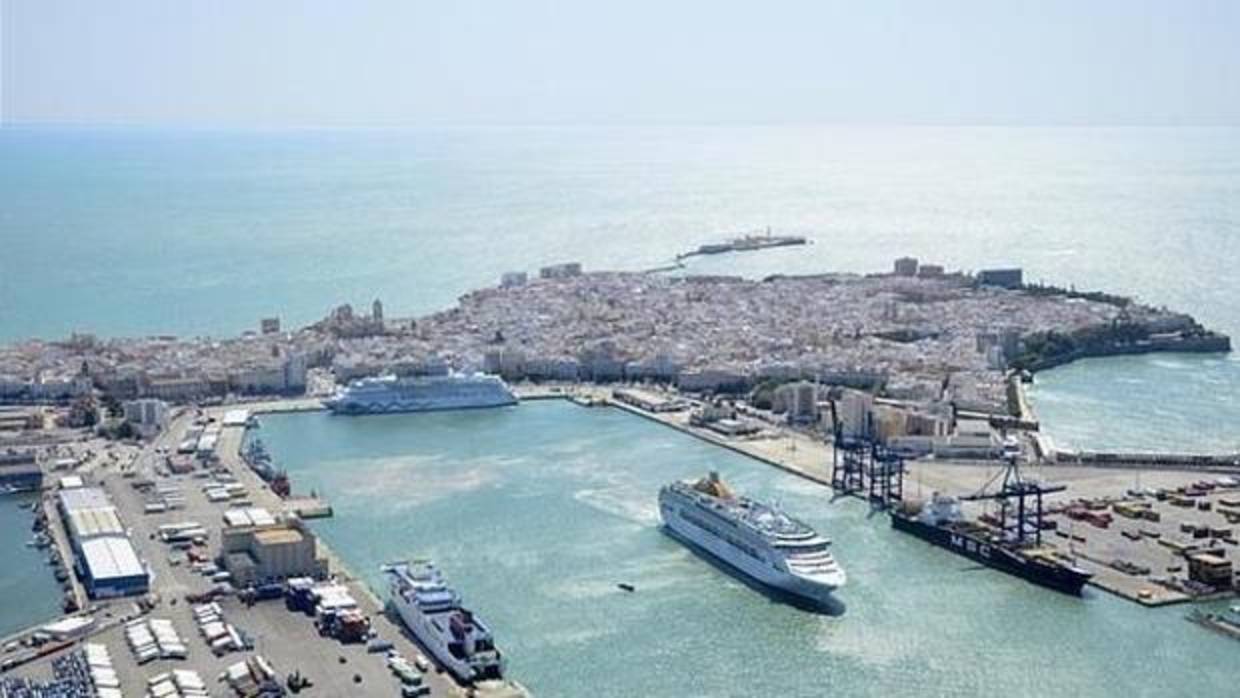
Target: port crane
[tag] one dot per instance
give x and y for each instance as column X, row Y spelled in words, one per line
column 862, row 467
column 1014, row 492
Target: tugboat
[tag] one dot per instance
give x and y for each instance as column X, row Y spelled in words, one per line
column 1013, row 545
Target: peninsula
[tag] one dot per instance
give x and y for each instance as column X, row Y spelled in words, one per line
column 917, row 333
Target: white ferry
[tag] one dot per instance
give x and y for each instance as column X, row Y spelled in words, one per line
column 759, row 541
column 431, row 610
column 453, row 391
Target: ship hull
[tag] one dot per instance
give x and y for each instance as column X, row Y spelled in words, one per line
column 1059, row 578
column 433, row 640
column 760, row 572
column 400, row 407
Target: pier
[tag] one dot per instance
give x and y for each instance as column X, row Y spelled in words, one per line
column 751, row 242
column 288, row 641
column 745, row 243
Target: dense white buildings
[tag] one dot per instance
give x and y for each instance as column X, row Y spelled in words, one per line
column 918, row 336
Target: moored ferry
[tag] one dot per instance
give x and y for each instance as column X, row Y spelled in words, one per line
column 433, row 613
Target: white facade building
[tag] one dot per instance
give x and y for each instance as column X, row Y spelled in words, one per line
column 149, row 416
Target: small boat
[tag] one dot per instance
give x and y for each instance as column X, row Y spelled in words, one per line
column 625, row 586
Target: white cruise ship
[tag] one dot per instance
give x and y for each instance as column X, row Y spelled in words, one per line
column 760, row 541
column 453, row 391
column 432, row 612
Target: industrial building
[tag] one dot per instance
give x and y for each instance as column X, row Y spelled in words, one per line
column 148, row 415
column 648, row 401
column 19, row 470
column 798, row 400
column 236, row 418
column 1003, row 278
column 1210, row 567
column 256, row 548
column 20, row 418
column 560, row 271
column 512, row 279
column 105, row 559
column 905, row 266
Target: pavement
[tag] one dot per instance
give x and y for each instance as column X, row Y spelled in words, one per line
column 288, row 640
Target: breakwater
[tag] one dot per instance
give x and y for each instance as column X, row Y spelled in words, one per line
column 1049, row 350
column 1152, row 460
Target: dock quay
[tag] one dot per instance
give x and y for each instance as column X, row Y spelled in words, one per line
column 1152, row 460
column 1140, row 570
column 289, row 642
column 1145, row 558
column 308, row 507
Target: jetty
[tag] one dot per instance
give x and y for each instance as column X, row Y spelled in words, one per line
column 750, row 242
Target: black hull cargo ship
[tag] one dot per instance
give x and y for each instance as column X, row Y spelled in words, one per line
column 939, row 523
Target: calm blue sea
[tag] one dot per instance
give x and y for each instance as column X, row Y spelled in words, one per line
column 135, row 231
column 537, row 512
column 29, row 593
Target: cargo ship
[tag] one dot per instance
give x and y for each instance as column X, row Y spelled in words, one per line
column 941, row 523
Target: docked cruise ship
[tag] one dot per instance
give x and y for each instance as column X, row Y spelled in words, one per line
column 759, row 541
column 432, row 612
column 453, row 391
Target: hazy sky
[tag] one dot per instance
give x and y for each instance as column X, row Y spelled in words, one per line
column 343, row 62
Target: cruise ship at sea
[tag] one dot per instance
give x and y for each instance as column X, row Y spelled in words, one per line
column 757, row 540
column 452, row 391
column 432, row 612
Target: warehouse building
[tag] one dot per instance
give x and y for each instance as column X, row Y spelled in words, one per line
column 259, row 549
column 19, row 470
column 104, row 557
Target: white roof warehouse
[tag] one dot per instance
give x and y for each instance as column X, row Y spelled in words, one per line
column 107, row 561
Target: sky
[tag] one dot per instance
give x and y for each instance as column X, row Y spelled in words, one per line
column 320, row 63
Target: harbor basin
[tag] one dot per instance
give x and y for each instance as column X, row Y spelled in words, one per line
column 537, row 512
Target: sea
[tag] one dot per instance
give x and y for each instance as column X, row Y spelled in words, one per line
column 141, row 231
column 537, row 512
column 29, row 593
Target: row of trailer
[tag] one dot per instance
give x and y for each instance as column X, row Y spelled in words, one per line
column 154, row 638
column 220, row 635
column 178, row 683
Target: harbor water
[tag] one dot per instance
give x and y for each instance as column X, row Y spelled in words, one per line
column 537, row 512
column 29, row 593
column 1156, row 402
